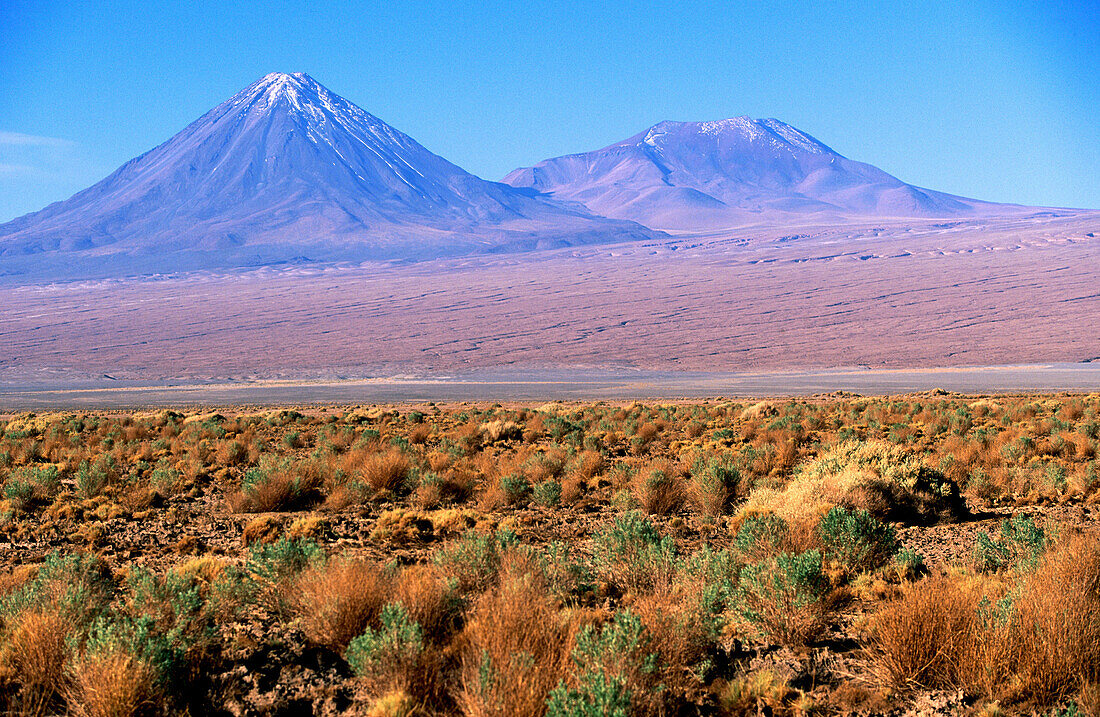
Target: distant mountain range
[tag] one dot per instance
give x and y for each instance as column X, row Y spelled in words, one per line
column 287, row 171
column 711, row 175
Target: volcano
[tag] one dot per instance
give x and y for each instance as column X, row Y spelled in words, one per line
column 731, row 173
column 285, row 171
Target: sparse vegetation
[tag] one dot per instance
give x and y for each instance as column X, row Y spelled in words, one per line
column 568, row 559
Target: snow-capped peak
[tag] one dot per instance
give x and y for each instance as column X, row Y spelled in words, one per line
column 771, row 133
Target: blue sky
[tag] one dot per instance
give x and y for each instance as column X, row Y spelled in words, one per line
column 995, row 100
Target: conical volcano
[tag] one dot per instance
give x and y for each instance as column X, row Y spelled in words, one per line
column 287, row 170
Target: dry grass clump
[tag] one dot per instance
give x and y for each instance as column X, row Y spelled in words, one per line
column 384, row 471
column 682, row 629
column 231, row 453
column 427, row 598
column 714, row 485
column 112, row 684
column 514, row 649
column 924, row 637
column 36, row 652
column 1035, row 640
column 341, row 599
column 880, row 478
column 658, row 489
column 278, row 485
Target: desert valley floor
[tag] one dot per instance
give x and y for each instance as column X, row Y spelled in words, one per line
column 914, row 294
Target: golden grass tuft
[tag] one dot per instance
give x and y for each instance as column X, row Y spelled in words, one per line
column 659, row 489
column 879, row 477
column 1038, row 640
column 111, row 684
column 36, row 651
column 340, row 600
column 514, row 649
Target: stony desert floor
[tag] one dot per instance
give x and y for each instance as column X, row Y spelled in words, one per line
column 901, row 295
column 917, row 554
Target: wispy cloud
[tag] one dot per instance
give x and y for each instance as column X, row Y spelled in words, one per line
column 18, row 139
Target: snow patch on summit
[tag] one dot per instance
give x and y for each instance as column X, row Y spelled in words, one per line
column 722, row 174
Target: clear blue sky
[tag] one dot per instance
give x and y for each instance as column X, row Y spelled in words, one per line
column 995, row 100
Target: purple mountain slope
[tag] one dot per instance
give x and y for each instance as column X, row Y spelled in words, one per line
column 734, row 172
column 286, row 170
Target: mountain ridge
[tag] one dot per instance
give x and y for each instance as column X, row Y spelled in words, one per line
column 732, row 172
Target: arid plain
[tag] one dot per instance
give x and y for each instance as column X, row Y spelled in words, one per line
column 887, row 295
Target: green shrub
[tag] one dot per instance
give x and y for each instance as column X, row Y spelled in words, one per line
column 473, row 560
column 175, row 603
column 596, row 696
column 719, row 572
column 562, row 573
column 1020, row 545
column 44, row 480
column 632, row 555
column 910, row 563
column 609, row 662
column 141, row 638
column 762, row 536
column 857, row 539
column 394, row 647
column 283, row 559
column 782, row 598
column 19, row 492
column 92, row 478
column 547, row 493
column 165, row 479
column 516, row 488
column 79, row 586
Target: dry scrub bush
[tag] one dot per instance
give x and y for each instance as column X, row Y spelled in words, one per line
column 714, row 485
column 341, row 599
column 277, row 486
column 658, row 489
column 1054, row 637
column 111, row 684
column 384, row 472
column 1036, row 641
column 682, row 628
column 924, row 637
column 424, row 594
column 760, row 692
column 514, row 649
column 36, row 652
column 880, row 478
column 587, row 465
column 231, row 453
